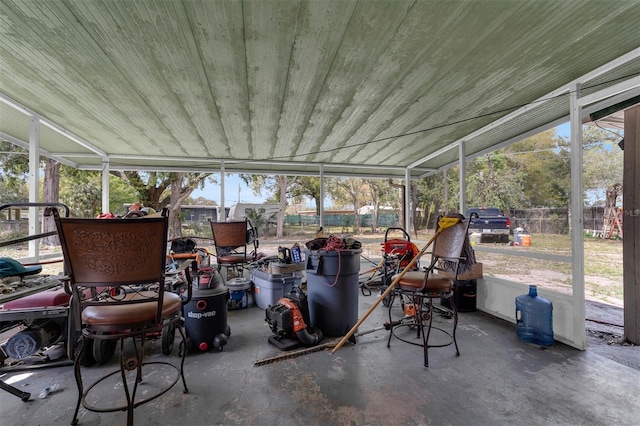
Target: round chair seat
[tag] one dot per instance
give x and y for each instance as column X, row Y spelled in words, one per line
column 132, row 314
column 414, row 281
column 232, row 259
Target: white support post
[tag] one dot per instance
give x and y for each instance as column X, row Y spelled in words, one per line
column 577, row 241
column 407, row 200
column 222, row 209
column 445, row 177
column 105, row 185
column 321, row 207
column 463, row 171
column 34, row 184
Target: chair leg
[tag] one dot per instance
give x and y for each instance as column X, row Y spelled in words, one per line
column 455, row 323
column 417, row 312
column 425, row 336
column 128, row 364
column 125, row 365
column 392, row 298
column 78, row 376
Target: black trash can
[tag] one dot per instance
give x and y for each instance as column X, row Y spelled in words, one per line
column 464, row 295
column 332, row 289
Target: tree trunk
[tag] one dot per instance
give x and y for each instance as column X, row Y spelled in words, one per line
column 414, row 209
column 376, row 215
column 402, row 202
column 611, row 197
column 283, row 184
column 175, row 220
column 181, row 186
column 50, row 194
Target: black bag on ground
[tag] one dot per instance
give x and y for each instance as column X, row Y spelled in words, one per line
column 183, row 245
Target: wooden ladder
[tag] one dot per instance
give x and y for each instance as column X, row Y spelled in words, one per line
column 612, row 222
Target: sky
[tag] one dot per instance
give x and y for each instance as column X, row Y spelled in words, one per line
column 237, row 191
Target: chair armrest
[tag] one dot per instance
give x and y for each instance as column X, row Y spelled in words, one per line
column 66, row 284
column 184, row 267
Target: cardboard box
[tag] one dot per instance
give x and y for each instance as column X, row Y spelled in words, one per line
column 474, row 274
column 285, row 268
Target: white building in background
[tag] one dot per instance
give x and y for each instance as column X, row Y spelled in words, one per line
column 239, row 211
column 383, row 210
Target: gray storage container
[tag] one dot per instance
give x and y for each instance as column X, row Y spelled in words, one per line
column 269, row 288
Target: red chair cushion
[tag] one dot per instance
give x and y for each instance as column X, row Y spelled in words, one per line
column 43, row 299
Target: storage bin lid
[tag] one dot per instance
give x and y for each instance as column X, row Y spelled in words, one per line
column 239, row 283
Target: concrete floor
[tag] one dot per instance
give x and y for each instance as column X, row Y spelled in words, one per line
column 498, row 379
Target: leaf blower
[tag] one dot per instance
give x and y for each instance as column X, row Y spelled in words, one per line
column 288, row 319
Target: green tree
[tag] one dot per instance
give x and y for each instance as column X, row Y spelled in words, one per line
column 431, row 197
column 81, row 190
column 380, row 193
column 490, row 182
column 181, row 186
column 541, row 171
column 151, row 188
column 348, row 192
column 200, row 201
column 161, row 189
column 603, row 166
column 14, row 170
column 306, row 186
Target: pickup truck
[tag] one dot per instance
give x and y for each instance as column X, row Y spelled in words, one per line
column 490, row 223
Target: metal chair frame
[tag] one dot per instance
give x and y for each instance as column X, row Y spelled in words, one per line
column 115, row 270
column 423, row 286
column 231, row 240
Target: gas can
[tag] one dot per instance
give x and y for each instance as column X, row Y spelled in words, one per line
column 534, row 318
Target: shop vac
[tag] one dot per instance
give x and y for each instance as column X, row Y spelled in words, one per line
column 289, row 319
column 206, row 314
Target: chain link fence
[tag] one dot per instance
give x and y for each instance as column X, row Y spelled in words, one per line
column 554, row 221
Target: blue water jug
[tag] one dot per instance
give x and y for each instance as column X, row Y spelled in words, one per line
column 534, row 318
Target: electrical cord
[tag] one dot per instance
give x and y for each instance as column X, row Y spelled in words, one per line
column 334, row 244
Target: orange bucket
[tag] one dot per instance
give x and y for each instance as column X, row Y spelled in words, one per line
column 526, row 240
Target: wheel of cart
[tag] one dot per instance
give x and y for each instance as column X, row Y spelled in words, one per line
column 168, row 337
column 397, row 253
column 176, row 281
column 73, row 339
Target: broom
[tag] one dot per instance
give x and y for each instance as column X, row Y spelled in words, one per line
column 443, row 223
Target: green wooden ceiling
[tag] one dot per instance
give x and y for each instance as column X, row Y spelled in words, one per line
column 367, row 87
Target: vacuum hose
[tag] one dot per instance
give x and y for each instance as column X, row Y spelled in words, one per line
column 309, row 338
column 308, row 335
